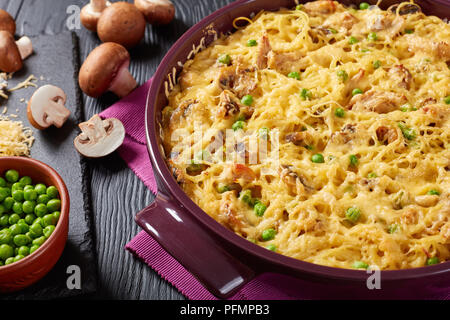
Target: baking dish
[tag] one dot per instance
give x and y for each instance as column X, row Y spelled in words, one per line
column 221, row 260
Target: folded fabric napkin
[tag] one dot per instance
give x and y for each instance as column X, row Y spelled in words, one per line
column 268, row 286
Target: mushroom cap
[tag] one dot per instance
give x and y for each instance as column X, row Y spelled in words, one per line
column 89, row 17
column 100, row 68
column 156, row 12
column 7, row 22
column 10, row 60
column 99, row 137
column 121, row 23
column 46, row 107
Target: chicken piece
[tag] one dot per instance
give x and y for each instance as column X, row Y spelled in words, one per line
column 402, row 75
column 183, row 110
column 427, row 200
column 347, row 134
column 385, row 21
column 263, row 50
column 401, row 199
column 320, row 7
column 439, row 113
column 238, row 171
column 438, row 49
column 287, row 62
column 375, row 101
column 342, row 21
column 410, row 216
column 297, row 184
column 386, row 135
column 230, row 213
column 357, row 81
column 237, row 79
column 302, row 138
column 227, row 105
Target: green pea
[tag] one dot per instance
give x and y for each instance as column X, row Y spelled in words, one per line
column 21, row 240
column 16, row 186
column 28, row 187
column 238, row 125
column 36, row 230
column 40, row 210
column 376, row 64
column 447, row 99
column 353, row 214
column 317, row 158
column 4, row 220
column 56, row 214
column 29, row 218
column 5, row 236
column 247, row 100
column 48, row 230
column 55, row 204
column 352, row 40
column 246, row 196
column 43, row 198
column 30, row 195
column 431, row 261
column 364, row 5
column 17, row 207
column 4, row 193
column 28, row 207
column 272, row 247
column 372, row 36
column 299, row 7
column 433, row 192
column 252, row 43
column 268, row 234
column 225, row 59
column 221, row 188
column 25, row 181
column 52, row 192
column 18, row 257
column 12, row 176
column 2, row 209
column 305, row 94
column 372, row 175
column 9, row 260
column 15, row 229
column 8, row 203
column 6, row 251
column 353, row 160
column 14, row 218
column 17, row 195
column 48, row 219
column 2, row 182
column 259, row 208
column 343, row 75
column 39, row 241
column 294, row 75
column 339, row 112
column 356, row 91
column 24, row 251
column 392, row 228
column 408, row 133
column 40, row 188
column 24, row 227
column 360, row 265
column 33, row 248
column 409, row 31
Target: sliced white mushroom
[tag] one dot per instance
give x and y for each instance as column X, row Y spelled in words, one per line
column 46, row 107
column 99, row 137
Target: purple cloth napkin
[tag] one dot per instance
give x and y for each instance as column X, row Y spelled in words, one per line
column 268, row 286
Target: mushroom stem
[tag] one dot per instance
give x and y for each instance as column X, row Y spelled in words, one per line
column 123, row 83
column 98, row 5
column 25, row 47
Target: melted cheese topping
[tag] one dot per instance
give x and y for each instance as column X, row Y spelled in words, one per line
column 378, row 193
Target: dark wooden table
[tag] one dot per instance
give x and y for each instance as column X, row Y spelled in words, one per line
column 117, row 194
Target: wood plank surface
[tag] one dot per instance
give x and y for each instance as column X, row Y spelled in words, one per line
column 117, row 194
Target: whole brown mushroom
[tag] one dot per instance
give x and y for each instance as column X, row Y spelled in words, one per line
column 156, row 12
column 12, row 52
column 106, row 69
column 121, row 23
column 7, row 22
column 91, row 13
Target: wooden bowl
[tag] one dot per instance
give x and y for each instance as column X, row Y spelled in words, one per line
column 33, row 267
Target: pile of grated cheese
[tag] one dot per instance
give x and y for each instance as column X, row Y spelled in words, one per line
column 15, row 139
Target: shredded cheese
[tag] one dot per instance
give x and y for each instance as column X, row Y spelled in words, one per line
column 15, row 139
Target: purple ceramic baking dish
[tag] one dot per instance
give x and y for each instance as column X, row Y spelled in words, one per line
column 221, row 260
